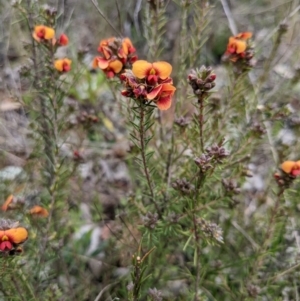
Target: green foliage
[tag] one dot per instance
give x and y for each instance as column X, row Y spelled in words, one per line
column 144, row 204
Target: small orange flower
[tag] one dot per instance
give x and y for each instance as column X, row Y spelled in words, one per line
column 291, row 167
column 10, row 238
column 151, row 71
column 104, row 47
column 238, row 43
column 162, row 96
column 127, row 48
column 63, row 65
column 42, row 33
column 110, row 67
column 236, row 46
column 63, row 40
column 39, row 211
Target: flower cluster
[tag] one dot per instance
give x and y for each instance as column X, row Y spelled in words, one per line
column 231, row 186
column 11, row 236
column 149, row 82
column 155, row 294
column 202, row 80
column 184, row 186
column 46, row 35
column 213, row 155
column 150, row 220
column 239, row 49
column 210, row 230
column 115, row 56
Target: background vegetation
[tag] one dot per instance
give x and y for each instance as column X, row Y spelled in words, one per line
column 209, row 221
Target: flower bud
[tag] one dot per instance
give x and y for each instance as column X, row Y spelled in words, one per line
column 211, row 78
column 63, row 40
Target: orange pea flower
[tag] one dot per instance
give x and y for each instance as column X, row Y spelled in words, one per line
column 291, row 167
column 151, row 71
column 237, row 46
column 110, row 67
column 10, row 238
column 63, row 40
column 63, row 65
column 105, row 47
column 149, row 83
column 162, row 96
column 42, row 33
column 127, row 48
column 39, row 211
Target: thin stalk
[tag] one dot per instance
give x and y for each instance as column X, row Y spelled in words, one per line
column 200, row 179
column 198, row 251
column 144, row 159
column 106, row 19
column 201, row 121
column 137, row 273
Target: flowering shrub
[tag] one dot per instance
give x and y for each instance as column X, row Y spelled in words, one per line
column 116, row 200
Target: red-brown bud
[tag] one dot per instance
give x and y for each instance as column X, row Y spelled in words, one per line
column 125, row 93
column 63, row 40
column 212, row 77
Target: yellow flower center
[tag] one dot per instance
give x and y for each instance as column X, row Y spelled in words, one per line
column 4, row 238
column 152, row 71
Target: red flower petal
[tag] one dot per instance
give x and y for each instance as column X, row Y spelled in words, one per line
column 5, row 246
column 101, row 62
column 164, row 103
column 153, row 94
column 295, row 172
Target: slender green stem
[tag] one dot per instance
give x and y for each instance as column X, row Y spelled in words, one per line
column 105, row 18
column 143, row 154
column 200, row 179
column 201, row 121
column 198, row 251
